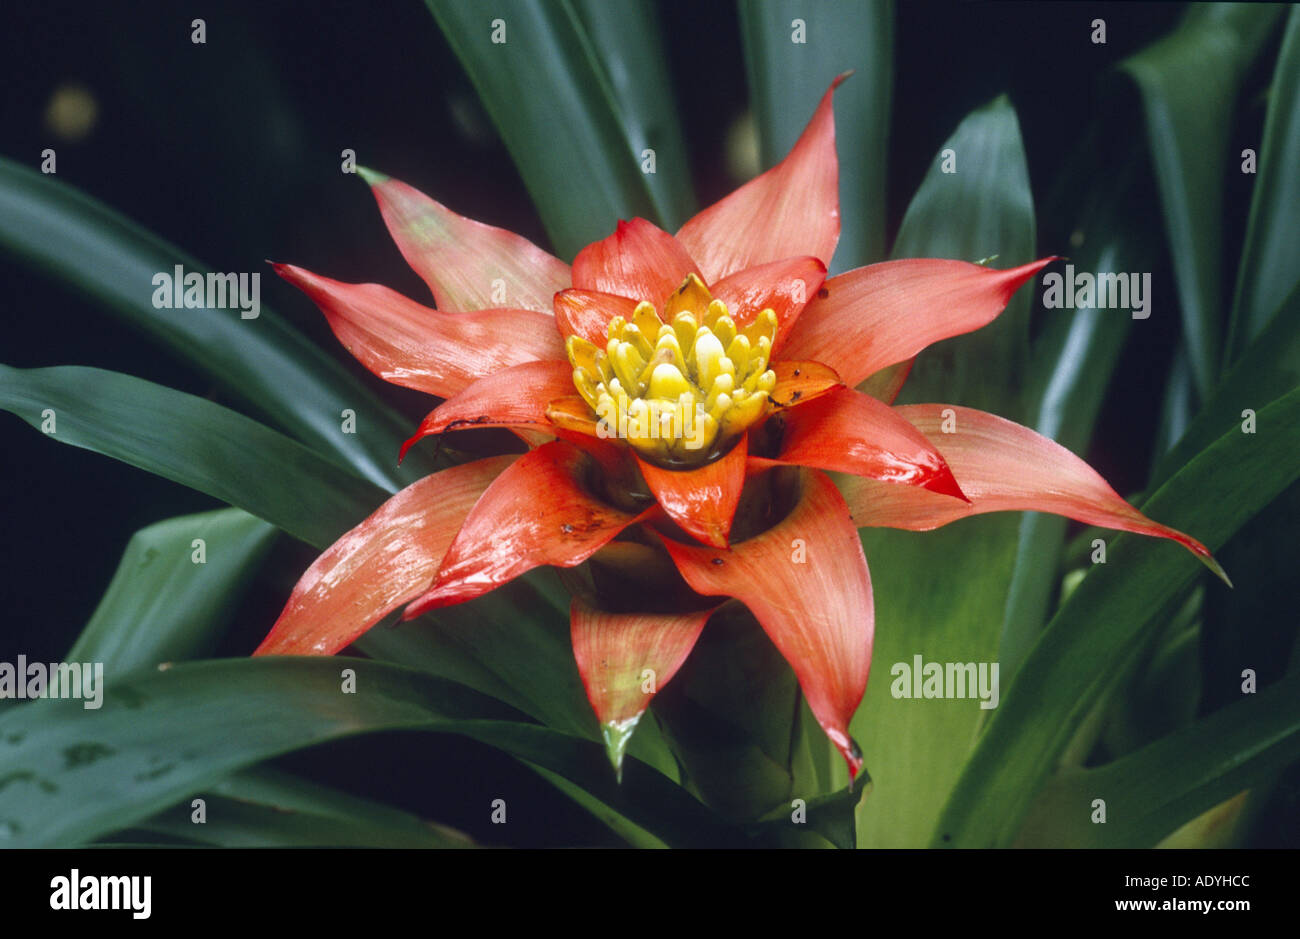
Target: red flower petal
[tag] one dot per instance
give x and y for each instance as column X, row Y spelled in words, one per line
column 379, row 565
column 800, row 382
column 640, row 261
column 1002, row 466
column 460, row 259
column 784, row 286
column 817, row 611
column 792, row 210
column 537, row 512
column 411, row 345
column 587, row 313
column 614, row 652
column 851, row 432
column 884, row 313
column 512, row 397
column 701, row 500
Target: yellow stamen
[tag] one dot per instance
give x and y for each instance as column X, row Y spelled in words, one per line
column 678, row 391
column 725, row 385
column 691, row 297
column 582, row 353
column 668, row 383
column 716, row 310
column 628, row 366
column 633, row 335
column 684, row 328
column 646, row 319
column 708, row 357
column 738, row 352
column 725, row 330
column 586, row 386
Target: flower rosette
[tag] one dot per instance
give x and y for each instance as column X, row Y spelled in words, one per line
column 684, row 399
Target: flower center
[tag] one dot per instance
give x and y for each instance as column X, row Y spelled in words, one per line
column 678, row 391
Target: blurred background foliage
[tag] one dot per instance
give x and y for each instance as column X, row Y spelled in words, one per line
column 1123, row 156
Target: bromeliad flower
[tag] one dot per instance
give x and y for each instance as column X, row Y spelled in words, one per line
column 683, row 398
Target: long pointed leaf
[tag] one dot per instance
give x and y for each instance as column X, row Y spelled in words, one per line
column 626, row 38
column 912, row 747
column 1153, row 791
column 1269, row 270
column 72, row 775
column 786, row 79
column 262, row 808
column 1105, row 619
column 264, row 362
column 1189, row 82
column 1268, row 369
column 161, row 605
column 548, row 93
column 981, row 209
column 1070, row 371
column 196, row 443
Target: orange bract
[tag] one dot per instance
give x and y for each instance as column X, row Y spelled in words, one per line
column 783, row 352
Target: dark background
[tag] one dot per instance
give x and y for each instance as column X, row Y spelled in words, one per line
column 230, row 150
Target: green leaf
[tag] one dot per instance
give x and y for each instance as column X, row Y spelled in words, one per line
column 1070, row 371
column 984, row 208
column 161, row 606
column 1223, row 826
column 72, row 775
column 553, row 102
column 814, row 823
column 1161, row 694
column 940, row 595
column 626, row 38
column 263, row 808
column 512, row 644
column 1107, row 618
column 913, row 747
column 730, row 714
column 787, row 79
column 263, row 362
column 1189, row 124
column 1179, row 402
column 1249, row 627
column 1268, row 271
column 1245, row 628
column 1153, row 791
column 629, row 831
column 1268, row 369
column 816, row 766
column 196, row 443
